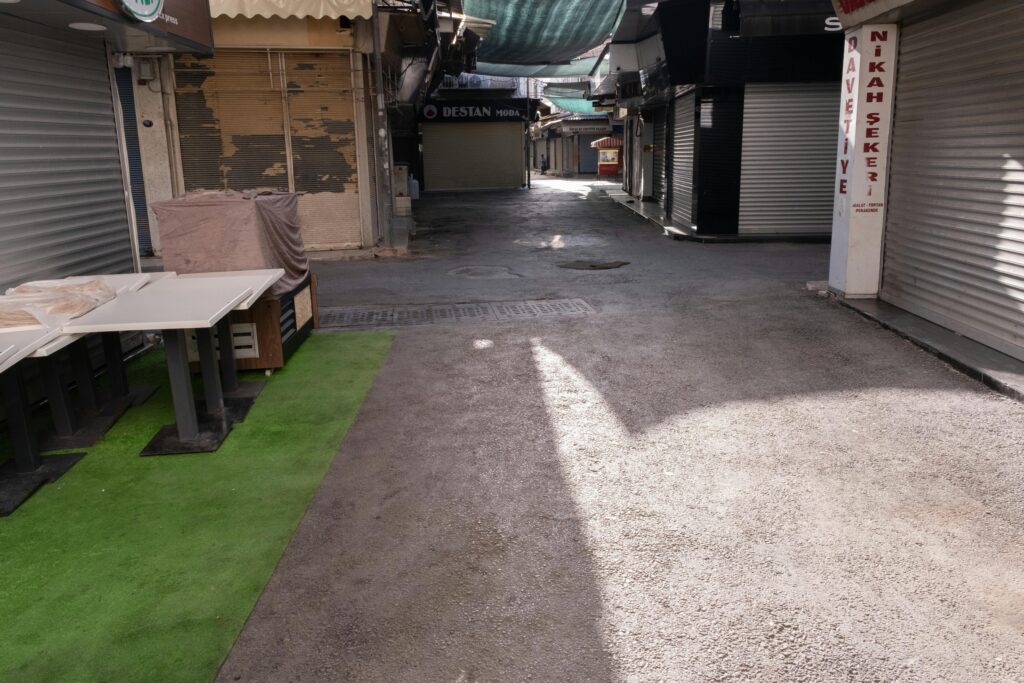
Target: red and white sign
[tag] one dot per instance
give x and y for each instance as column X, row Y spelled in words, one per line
column 868, row 88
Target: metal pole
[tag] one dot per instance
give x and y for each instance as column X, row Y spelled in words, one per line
column 384, row 191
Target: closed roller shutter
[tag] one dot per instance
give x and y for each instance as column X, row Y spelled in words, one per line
column 789, row 156
column 659, row 121
column 276, row 120
column 637, row 159
column 954, row 240
column 62, row 201
column 475, row 156
column 588, row 155
column 683, row 131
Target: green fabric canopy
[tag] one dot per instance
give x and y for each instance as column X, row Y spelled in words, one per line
column 580, row 67
column 577, row 106
column 577, row 90
column 543, row 31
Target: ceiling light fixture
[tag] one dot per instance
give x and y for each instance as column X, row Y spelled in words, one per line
column 86, row 26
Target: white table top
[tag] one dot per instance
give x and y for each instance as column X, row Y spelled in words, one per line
column 172, row 303
column 259, row 281
column 16, row 346
column 122, row 284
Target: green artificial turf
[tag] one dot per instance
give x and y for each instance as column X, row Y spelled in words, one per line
column 145, row 569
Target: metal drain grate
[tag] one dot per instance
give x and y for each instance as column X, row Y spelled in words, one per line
column 432, row 314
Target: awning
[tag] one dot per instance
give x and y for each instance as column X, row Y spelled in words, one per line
column 579, row 67
column 607, row 143
column 548, row 32
column 575, row 105
column 315, row 9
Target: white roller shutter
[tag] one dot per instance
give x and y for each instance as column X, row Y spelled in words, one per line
column 683, row 131
column 954, row 240
column 658, row 120
column 789, row 156
column 62, row 199
column 475, row 156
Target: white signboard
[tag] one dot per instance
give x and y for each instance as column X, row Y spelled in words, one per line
column 858, row 221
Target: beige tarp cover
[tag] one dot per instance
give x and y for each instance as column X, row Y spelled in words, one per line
column 206, row 232
column 317, row 9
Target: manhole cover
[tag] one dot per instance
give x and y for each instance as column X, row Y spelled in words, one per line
column 484, row 273
column 593, row 265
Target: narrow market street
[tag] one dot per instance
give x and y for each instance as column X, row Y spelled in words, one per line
column 691, row 468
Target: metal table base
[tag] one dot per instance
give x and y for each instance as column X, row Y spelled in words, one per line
column 25, row 472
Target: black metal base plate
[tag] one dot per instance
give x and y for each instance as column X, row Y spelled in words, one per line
column 212, row 433
column 235, row 409
column 140, row 393
column 17, row 487
column 91, row 430
column 248, row 390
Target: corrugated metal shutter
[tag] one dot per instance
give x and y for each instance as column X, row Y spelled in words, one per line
column 954, row 240
column 658, row 120
column 588, row 155
column 321, row 110
column 476, row 156
column 231, row 121
column 234, row 110
column 683, row 131
column 637, row 160
column 789, row 156
column 62, row 202
column 126, row 95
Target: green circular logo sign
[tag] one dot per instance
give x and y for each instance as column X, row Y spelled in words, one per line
column 143, row 10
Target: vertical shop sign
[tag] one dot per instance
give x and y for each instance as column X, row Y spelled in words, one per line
column 865, row 121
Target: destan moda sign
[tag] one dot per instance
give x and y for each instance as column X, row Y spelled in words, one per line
column 143, row 10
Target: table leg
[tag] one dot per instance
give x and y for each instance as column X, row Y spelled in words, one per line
column 211, row 375
column 81, row 364
column 228, row 371
column 114, row 356
column 18, row 414
column 181, row 385
column 64, row 420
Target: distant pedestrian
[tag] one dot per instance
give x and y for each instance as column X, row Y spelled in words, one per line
column 543, row 165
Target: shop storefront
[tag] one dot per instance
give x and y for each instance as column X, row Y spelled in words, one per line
column 752, row 126
column 947, row 219
column 477, row 144
column 65, row 204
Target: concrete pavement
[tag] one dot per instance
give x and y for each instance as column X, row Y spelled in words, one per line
column 717, row 476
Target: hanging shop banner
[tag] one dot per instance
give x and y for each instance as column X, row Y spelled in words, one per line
column 865, row 121
column 453, row 111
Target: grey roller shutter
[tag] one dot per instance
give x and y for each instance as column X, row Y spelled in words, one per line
column 954, row 240
column 683, row 132
column 588, row 155
column 789, row 156
column 475, row 156
column 658, row 181
column 62, row 201
column 637, row 159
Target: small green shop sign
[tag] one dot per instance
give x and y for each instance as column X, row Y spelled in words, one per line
column 143, row 10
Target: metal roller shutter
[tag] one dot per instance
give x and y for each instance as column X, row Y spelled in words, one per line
column 588, row 155
column 276, row 120
column 658, row 181
column 789, row 156
column 129, row 125
column 62, row 196
column 954, row 240
column 683, row 132
column 637, row 159
column 476, row 156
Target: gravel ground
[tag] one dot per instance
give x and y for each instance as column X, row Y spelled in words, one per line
column 717, row 476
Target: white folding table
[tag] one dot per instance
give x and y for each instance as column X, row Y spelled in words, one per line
column 258, row 281
column 69, row 432
column 174, row 305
